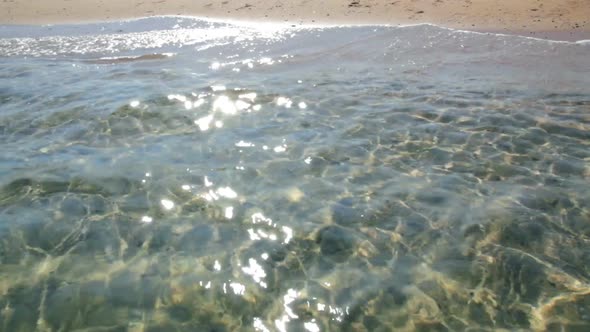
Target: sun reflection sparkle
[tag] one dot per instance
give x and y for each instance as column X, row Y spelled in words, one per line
column 256, row 271
column 229, row 212
column 289, row 234
column 243, row 144
column 167, row 204
column 266, row 61
column 216, row 88
column 238, row 288
column 281, row 324
column 259, row 326
column 284, row 101
column 177, row 97
column 204, row 122
column 206, row 182
column 311, row 326
column 250, row 96
column 224, row 105
column 227, row 192
column 242, row 105
column 280, row 148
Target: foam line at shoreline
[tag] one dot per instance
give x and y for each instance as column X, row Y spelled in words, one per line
column 278, row 26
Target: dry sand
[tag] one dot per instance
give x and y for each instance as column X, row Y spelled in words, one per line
column 542, row 18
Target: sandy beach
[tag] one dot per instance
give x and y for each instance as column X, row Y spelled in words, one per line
column 546, row 19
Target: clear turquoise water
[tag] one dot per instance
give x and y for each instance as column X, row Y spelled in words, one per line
column 173, row 174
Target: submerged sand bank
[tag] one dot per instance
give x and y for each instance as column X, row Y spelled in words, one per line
column 529, row 17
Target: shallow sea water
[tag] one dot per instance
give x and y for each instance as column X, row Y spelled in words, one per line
column 174, row 174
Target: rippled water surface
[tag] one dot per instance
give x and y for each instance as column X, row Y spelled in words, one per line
column 173, row 174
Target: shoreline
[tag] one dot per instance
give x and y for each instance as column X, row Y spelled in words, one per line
column 555, row 36
column 552, row 19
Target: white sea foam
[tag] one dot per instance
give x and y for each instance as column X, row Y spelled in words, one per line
column 174, row 32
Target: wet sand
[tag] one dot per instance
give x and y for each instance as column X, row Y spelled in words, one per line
column 561, row 19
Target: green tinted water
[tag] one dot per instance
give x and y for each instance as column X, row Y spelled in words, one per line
column 355, row 179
